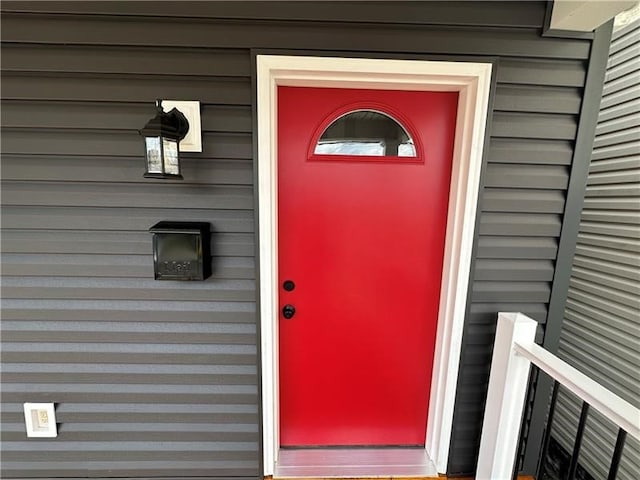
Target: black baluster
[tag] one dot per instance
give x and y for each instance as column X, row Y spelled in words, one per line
column 573, row 466
column 617, row 454
column 547, row 433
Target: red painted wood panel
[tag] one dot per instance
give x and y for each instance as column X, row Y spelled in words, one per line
column 363, row 242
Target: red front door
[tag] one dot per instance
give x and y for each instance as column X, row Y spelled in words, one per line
column 361, row 241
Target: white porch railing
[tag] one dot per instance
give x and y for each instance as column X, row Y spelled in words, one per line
column 514, row 352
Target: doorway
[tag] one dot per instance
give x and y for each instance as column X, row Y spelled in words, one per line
column 471, row 84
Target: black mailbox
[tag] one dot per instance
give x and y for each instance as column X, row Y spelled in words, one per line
column 181, row 250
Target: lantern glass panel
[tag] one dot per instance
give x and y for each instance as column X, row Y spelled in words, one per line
column 171, row 166
column 154, row 156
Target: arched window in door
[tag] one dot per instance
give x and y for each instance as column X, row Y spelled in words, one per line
column 367, row 133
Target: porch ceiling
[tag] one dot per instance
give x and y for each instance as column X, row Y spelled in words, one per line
column 586, row 15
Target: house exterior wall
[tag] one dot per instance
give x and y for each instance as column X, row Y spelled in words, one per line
column 601, row 330
column 160, row 378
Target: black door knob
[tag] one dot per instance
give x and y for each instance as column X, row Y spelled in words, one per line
column 288, row 311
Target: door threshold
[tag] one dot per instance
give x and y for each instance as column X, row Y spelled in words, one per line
column 352, row 463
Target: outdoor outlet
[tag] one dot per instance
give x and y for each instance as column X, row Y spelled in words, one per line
column 40, row 419
column 192, row 142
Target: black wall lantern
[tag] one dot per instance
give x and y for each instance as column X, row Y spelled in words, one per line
column 162, row 135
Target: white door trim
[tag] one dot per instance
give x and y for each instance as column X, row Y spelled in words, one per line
column 472, row 81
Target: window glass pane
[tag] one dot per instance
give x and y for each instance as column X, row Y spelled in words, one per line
column 366, row 132
column 346, row 147
column 407, row 150
column 154, row 159
column 170, row 156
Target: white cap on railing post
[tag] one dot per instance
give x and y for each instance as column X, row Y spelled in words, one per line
column 505, row 398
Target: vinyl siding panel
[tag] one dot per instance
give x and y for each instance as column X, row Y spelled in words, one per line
column 444, row 13
column 601, row 330
column 173, row 368
column 339, row 36
column 150, row 378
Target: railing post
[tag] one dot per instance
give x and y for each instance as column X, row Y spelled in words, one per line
column 505, row 398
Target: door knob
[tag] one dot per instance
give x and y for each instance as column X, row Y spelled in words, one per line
column 288, row 311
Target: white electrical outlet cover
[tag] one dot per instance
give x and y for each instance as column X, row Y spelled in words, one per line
column 192, row 142
column 40, row 419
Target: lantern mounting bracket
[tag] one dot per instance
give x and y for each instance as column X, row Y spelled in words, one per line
column 192, row 142
column 173, row 121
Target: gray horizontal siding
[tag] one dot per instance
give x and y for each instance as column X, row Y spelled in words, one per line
column 533, row 152
column 120, row 170
column 340, row 36
column 601, row 329
column 80, row 307
column 109, row 116
column 108, row 242
column 123, row 87
column 149, row 60
column 113, row 143
column 89, row 195
column 396, row 12
column 150, row 378
column 96, row 219
column 134, row 266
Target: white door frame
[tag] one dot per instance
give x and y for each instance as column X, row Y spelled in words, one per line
column 472, row 81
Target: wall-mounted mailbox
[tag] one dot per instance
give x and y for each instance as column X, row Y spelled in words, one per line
column 181, row 250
